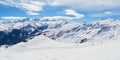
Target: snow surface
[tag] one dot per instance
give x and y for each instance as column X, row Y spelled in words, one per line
column 43, row 48
column 103, row 41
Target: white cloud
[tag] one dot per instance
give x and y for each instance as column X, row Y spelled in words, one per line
column 55, row 3
column 35, row 6
column 66, row 12
column 105, row 14
column 32, row 13
column 108, row 12
column 12, row 18
column 1, row 21
column 87, row 4
column 30, row 6
column 57, row 18
column 73, row 13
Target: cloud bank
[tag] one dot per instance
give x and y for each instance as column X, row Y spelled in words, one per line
column 12, row 18
column 35, row 7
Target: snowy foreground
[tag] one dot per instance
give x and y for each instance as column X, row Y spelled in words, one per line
column 43, row 48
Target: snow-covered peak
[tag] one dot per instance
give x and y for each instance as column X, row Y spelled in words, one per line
column 100, row 40
column 81, row 32
column 17, row 24
column 13, row 32
column 61, row 29
column 109, row 21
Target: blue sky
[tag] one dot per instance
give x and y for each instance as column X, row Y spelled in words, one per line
column 76, row 10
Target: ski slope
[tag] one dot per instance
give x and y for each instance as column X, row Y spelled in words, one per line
column 43, row 48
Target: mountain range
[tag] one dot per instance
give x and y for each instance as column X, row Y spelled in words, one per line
column 44, row 39
column 14, row 32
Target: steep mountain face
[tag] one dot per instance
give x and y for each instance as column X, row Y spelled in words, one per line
column 60, row 30
column 22, row 30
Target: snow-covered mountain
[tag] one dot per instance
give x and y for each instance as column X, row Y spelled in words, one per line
column 36, row 39
column 83, row 32
column 44, row 48
column 14, row 32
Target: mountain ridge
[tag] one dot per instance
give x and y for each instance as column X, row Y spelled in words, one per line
column 59, row 30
